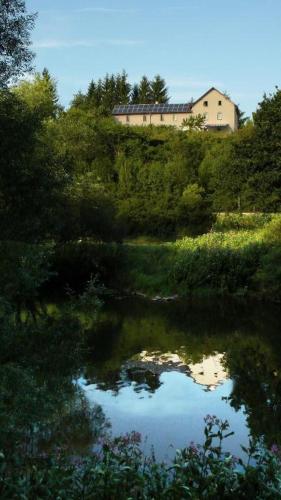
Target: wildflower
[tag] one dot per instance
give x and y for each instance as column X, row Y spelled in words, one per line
column 275, row 449
column 193, row 448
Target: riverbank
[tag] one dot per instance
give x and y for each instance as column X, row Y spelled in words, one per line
column 229, row 260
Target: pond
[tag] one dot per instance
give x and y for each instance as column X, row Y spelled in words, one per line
column 155, row 368
column 160, row 368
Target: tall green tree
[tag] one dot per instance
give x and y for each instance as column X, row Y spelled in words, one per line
column 265, row 184
column 40, row 95
column 159, row 90
column 145, row 93
column 135, row 94
column 123, row 88
column 32, row 175
column 15, row 27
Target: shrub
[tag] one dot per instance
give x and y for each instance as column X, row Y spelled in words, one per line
column 272, row 232
column 218, row 261
column 238, row 221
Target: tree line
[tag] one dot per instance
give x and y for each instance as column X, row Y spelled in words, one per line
column 102, row 95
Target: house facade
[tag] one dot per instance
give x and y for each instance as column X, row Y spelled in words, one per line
column 219, row 111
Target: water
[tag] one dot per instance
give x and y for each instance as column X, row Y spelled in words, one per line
column 155, row 368
column 160, row 369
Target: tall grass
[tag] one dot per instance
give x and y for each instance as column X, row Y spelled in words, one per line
column 220, row 262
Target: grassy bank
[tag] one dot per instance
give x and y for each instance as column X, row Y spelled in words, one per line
column 241, row 255
column 226, row 261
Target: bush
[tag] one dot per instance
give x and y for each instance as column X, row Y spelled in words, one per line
column 238, row 221
column 218, row 261
column 272, row 232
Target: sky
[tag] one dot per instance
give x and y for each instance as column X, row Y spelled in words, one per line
column 233, row 45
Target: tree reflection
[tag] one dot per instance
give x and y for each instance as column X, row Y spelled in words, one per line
column 40, row 406
column 249, row 337
column 255, row 367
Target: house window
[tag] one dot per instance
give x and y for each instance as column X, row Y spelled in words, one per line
column 205, row 103
column 206, row 116
column 174, row 118
column 219, row 103
column 144, row 118
column 161, row 118
column 127, row 119
column 219, row 116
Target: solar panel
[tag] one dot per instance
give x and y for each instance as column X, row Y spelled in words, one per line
column 151, row 108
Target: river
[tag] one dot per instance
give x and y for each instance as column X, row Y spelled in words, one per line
column 160, row 368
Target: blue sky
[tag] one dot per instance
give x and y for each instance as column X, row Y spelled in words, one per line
column 234, row 45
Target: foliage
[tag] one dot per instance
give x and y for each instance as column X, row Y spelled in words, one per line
column 32, row 174
column 15, row 54
column 237, row 221
column 159, row 91
column 242, row 119
column 241, row 258
column 39, row 95
column 196, row 122
column 112, row 90
column 121, row 471
column 272, row 231
column 24, row 269
column 224, row 262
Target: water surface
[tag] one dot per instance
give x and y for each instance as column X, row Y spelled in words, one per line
column 160, row 369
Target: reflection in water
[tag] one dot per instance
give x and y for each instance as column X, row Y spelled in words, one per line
column 145, row 369
column 210, row 372
column 160, row 368
column 155, row 368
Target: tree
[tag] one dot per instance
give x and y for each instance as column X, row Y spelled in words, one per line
column 135, row 99
column 145, row 94
column 266, row 152
column 123, row 88
column 15, row 54
column 196, row 122
column 242, row 119
column 32, row 175
column 40, row 95
column 226, row 171
column 159, row 91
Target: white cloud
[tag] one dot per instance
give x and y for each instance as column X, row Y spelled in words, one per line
column 68, row 44
column 97, row 10
column 104, row 10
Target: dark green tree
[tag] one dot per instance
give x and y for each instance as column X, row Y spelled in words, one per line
column 159, row 91
column 32, row 176
column 123, row 88
column 135, row 94
column 145, row 93
column 15, row 27
column 242, row 119
column 265, row 182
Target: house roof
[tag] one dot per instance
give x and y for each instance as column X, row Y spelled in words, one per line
column 219, row 92
column 142, row 109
